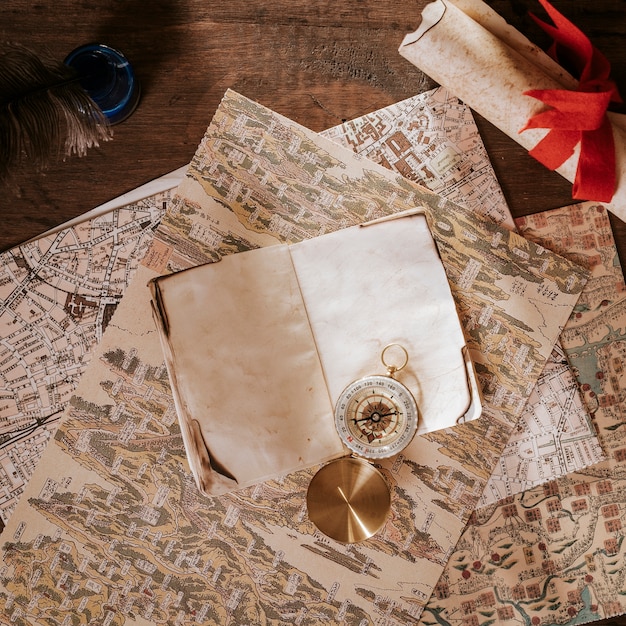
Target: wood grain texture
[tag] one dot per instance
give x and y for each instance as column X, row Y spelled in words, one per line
column 315, row 61
column 318, row 62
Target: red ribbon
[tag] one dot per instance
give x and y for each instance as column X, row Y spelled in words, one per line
column 578, row 116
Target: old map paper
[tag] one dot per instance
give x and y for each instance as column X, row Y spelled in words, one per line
column 111, row 529
column 555, row 553
column 430, row 138
column 57, row 296
column 554, row 435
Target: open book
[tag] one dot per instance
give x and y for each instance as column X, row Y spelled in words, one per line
column 260, row 345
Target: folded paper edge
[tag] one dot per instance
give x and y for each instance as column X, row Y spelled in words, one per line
column 206, row 475
column 431, row 15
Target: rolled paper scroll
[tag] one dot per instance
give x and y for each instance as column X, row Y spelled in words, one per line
column 469, row 49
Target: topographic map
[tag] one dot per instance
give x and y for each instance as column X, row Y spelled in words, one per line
column 554, row 554
column 57, row 296
column 111, row 529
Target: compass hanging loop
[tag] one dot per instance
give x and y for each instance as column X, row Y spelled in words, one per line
column 393, row 368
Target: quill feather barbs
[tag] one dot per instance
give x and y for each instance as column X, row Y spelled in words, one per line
column 44, row 111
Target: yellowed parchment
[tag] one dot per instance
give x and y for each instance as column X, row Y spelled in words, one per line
column 469, row 49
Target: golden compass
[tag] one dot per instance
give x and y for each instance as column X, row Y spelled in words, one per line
column 376, row 417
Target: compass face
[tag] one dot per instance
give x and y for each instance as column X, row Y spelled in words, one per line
column 376, row 417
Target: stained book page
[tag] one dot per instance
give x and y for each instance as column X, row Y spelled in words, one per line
column 261, row 344
column 246, row 369
column 367, row 287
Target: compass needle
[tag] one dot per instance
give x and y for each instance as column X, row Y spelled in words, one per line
column 376, row 417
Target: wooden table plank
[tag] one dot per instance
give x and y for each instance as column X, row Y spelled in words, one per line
column 317, row 62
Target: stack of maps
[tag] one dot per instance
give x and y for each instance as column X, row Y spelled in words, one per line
column 516, row 516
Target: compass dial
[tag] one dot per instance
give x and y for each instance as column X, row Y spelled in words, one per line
column 376, row 417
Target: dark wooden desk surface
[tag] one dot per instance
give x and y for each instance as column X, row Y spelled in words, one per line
column 315, row 61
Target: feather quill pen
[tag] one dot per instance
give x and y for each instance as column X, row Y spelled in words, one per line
column 44, row 111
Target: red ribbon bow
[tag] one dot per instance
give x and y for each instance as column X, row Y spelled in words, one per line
column 578, row 116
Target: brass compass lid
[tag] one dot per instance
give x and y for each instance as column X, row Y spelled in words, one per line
column 348, row 500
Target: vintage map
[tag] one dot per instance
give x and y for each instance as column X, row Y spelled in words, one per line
column 554, row 554
column 440, row 129
column 111, row 529
column 554, row 436
column 57, row 296
column 436, row 142
column 430, row 137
